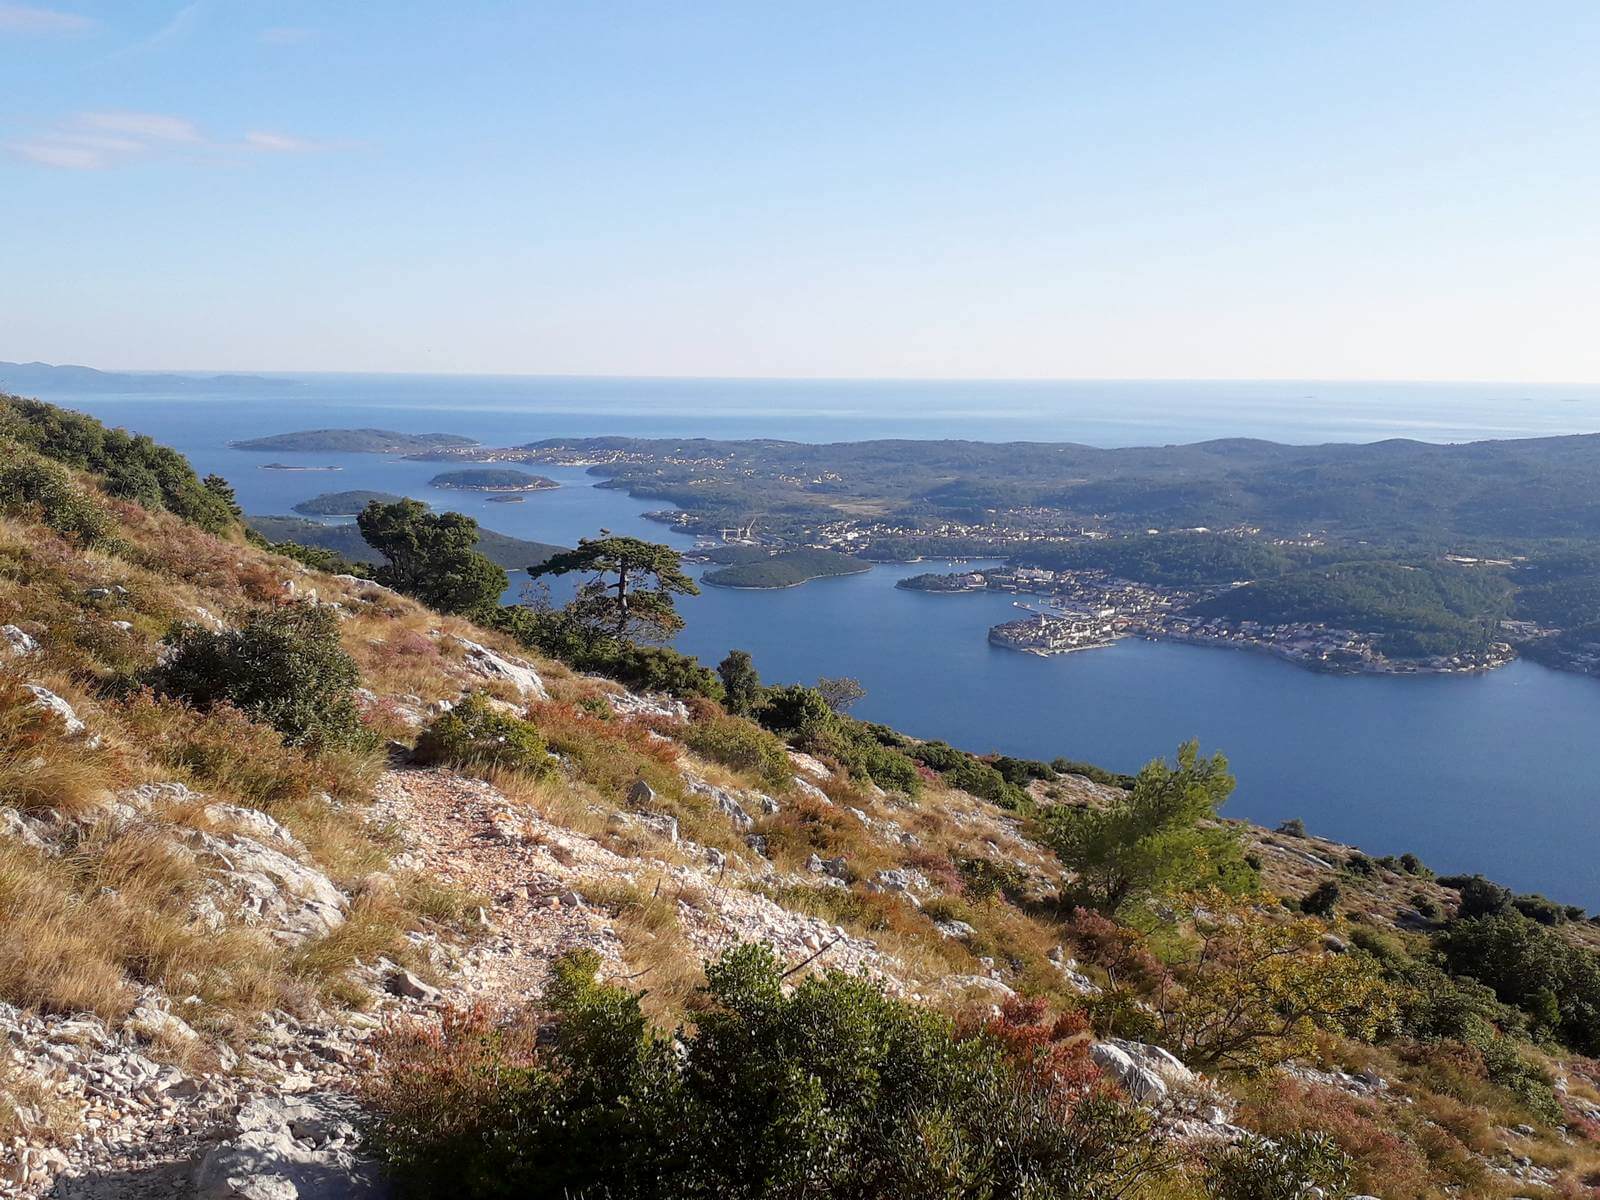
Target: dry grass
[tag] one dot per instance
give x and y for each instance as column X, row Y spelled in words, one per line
column 571, row 805
column 40, row 771
column 657, row 956
column 33, row 1108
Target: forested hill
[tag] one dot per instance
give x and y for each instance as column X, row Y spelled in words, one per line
column 1514, row 489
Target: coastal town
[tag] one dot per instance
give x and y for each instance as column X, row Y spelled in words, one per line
column 1090, row 609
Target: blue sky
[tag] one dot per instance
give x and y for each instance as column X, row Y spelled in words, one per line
column 1062, row 190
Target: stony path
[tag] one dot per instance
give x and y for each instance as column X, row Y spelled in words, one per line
column 541, row 876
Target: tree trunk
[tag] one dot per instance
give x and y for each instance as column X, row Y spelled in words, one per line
column 622, row 601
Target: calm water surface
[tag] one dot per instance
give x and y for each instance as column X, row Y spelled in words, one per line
column 1492, row 773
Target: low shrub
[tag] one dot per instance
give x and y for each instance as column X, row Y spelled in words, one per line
column 1556, row 983
column 318, row 558
column 1376, row 1156
column 1276, row 983
column 285, row 667
column 30, row 485
column 1480, row 897
column 743, row 745
column 474, row 735
column 831, row 1090
column 1285, row 1169
column 1321, row 900
column 984, row 878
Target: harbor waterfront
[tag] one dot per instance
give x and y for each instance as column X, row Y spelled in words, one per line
column 1091, row 609
column 1477, row 772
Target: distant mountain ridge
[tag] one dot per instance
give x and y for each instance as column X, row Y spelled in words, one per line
column 49, row 377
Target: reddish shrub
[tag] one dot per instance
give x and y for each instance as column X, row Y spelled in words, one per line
column 1116, row 949
column 1050, row 1049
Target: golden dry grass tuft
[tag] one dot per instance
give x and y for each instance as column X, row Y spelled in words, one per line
column 658, row 957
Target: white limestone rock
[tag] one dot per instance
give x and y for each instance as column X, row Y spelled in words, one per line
column 806, row 788
column 1145, row 1072
column 16, row 642
column 488, row 664
column 632, row 704
column 266, row 886
column 27, row 830
column 48, row 701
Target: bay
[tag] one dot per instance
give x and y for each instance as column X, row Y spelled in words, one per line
column 1487, row 773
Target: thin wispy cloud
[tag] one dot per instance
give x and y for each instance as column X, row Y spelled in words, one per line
column 154, row 127
column 94, row 141
column 28, row 18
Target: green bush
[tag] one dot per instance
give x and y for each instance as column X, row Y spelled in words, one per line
column 980, row 779
column 983, row 878
column 1480, row 897
column 939, row 756
column 33, row 485
column 473, row 734
column 1412, row 865
column 656, row 669
column 1360, row 864
column 1320, row 900
column 285, row 667
column 1541, row 909
column 741, row 683
column 804, row 716
column 558, row 634
column 797, row 712
column 833, row 1090
column 1533, row 968
column 1284, row 1169
column 743, row 745
column 1426, row 906
column 1159, row 839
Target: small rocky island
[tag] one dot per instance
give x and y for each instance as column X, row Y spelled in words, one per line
column 492, row 479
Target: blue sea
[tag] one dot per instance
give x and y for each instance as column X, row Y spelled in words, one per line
column 1490, row 773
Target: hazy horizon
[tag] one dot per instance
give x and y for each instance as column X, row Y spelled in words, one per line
column 469, row 373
